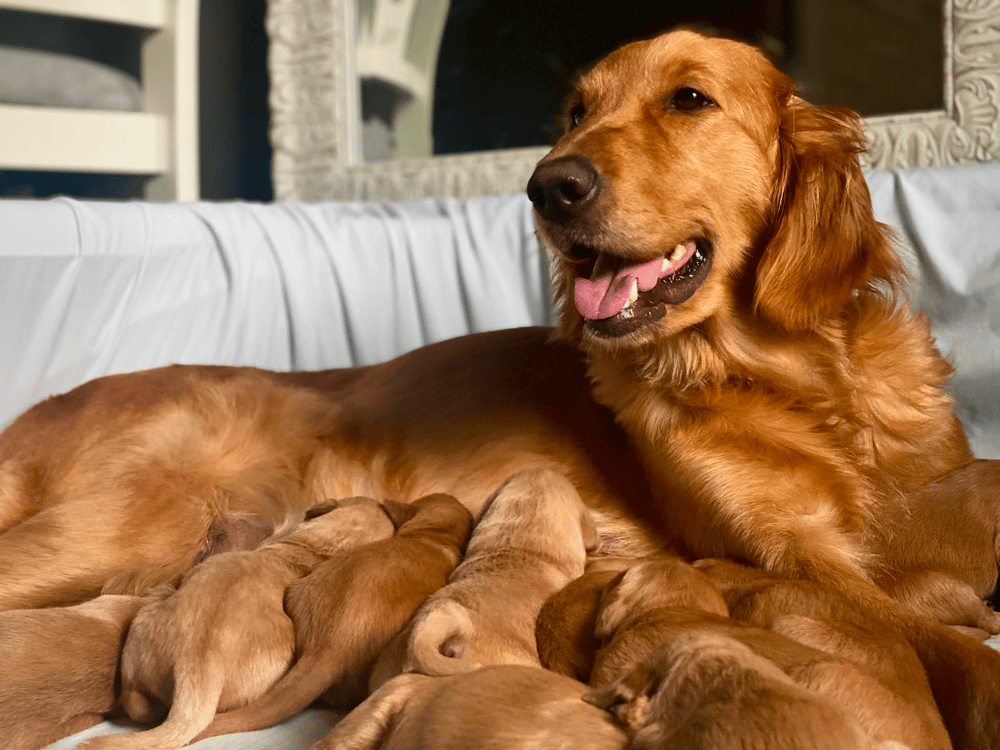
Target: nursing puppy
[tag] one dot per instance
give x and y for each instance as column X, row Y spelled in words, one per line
column 531, row 540
column 942, row 554
column 58, row 669
column 502, row 707
column 352, row 605
column 826, row 647
column 706, row 691
column 564, row 631
column 224, row 638
column 646, row 604
column 820, row 617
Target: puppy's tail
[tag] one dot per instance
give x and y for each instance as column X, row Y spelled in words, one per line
column 306, row 681
column 196, row 696
column 367, row 726
column 441, row 635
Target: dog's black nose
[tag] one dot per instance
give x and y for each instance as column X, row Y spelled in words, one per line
column 560, row 189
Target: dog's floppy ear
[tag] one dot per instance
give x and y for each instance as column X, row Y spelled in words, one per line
column 825, row 242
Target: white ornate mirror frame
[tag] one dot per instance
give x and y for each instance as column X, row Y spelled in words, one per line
column 315, row 112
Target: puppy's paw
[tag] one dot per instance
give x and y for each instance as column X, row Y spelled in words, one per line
column 627, row 698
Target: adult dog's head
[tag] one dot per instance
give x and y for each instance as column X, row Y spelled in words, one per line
column 693, row 185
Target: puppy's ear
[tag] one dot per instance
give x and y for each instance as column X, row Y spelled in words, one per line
column 321, row 509
column 825, row 242
column 399, row 513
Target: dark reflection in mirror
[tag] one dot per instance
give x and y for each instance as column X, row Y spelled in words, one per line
column 505, row 66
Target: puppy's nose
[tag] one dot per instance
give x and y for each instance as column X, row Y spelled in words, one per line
column 562, row 188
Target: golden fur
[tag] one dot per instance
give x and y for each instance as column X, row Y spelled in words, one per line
column 564, row 630
column 503, row 707
column 351, row 606
column 706, row 691
column 151, row 458
column 58, row 669
column 530, row 541
column 820, row 644
column 941, row 554
column 223, row 638
column 778, row 414
column 786, row 406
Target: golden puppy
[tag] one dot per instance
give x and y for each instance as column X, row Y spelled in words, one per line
column 706, row 691
column 630, row 622
column 820, row 617
column 352, row 605
column 564, row 631
column 58, row 668
column 872, row 674
column 531, row 540
column 502, row 707
column 942, row 554
column 224, row 638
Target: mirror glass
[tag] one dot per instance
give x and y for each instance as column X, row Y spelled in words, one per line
column 440, row 77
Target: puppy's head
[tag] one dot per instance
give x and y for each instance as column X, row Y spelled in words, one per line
column 665, row 582
column 537, row 509
column 440, row 515
column 344, row 521
column 399, row 513
column 692, row 183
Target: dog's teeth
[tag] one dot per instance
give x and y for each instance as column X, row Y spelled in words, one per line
column 633, row 292
column 678, row 252
column 665, row 266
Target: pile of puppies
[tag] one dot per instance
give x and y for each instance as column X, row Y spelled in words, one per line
column 447, row 624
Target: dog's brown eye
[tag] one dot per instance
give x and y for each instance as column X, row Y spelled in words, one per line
column 687, row 99
column 576, row 113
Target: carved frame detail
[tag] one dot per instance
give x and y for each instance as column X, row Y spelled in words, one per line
column 314, row 98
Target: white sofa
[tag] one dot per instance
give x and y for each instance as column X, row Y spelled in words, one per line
column 88, row 289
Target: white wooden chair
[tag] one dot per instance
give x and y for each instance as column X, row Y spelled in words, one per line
column 161, row 140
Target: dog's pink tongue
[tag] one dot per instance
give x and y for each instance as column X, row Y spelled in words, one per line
column 605, row 293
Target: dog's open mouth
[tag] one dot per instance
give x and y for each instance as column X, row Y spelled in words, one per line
column 621, row 296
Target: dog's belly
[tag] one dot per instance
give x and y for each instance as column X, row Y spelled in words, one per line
column 126, row 472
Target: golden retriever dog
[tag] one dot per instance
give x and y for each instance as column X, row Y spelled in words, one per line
column 564, row 630
column 502, row 707
column 58, row 669
column 352, row 605
column 657, row 604
column 706, row 691
column 531, row 540
column 223, row 638
column 777, row 394
column 767, row 395
column 150, row 459
column 717, row 256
